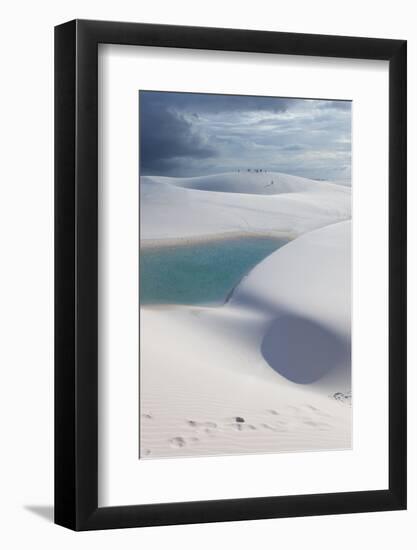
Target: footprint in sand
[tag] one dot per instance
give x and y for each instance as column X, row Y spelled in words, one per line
column 210, row 425
column 320, row 425
column 242, row 427
column 177, row 442
column 236, row 426
column 239, row 424
column 343, row 398
column 201, row 425
column 281, row 427
column 268, row 427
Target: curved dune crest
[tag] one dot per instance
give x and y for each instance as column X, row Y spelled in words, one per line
column 305, row 290
column 310, row 276
column 248, row 182
column 195, row 208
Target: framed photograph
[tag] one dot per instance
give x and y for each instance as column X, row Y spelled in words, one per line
column 230, row 252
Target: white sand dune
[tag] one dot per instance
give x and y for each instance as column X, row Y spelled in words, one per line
column 252, row 183
column 175, row 210
column 251, row 376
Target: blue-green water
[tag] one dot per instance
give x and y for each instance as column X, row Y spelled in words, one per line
column 203, row 273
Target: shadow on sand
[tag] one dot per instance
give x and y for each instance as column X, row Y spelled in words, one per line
column 302, row 350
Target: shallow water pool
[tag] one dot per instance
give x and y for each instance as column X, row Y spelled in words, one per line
column 203, row 273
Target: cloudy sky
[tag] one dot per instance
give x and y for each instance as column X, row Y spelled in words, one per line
column 185, row 134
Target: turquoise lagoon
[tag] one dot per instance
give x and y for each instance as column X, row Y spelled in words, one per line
column 200, row 274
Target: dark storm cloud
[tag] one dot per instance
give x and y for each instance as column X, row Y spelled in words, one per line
column 167, row 130
column 197, row 104
column 195, row 134
column 166, row 136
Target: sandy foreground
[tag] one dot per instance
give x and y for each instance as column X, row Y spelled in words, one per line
column 269, row 371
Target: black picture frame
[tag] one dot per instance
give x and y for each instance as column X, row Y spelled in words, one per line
column 76, row 272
